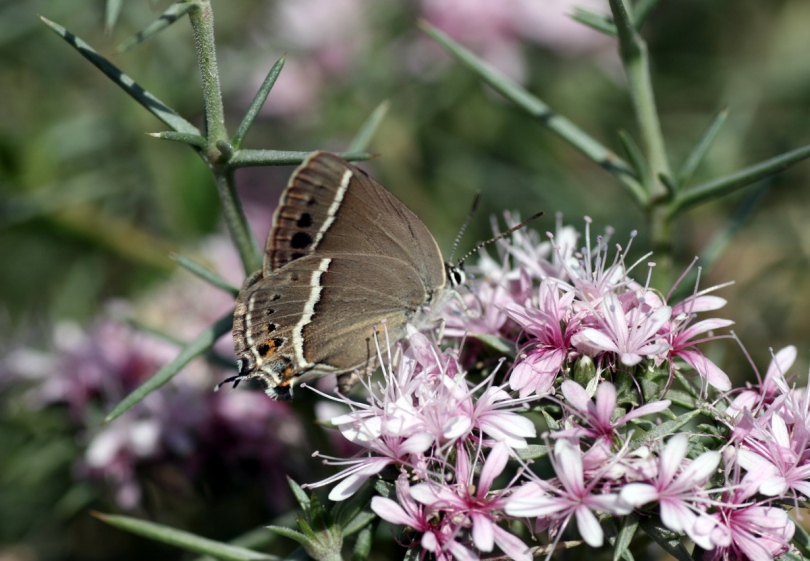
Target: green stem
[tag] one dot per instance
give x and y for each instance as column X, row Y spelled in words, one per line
column 660, row 220
column 202, row 25
column 234, row 216
column 633, row 51
column 635, row 57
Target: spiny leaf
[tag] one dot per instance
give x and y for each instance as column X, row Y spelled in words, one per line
column 599, row 22
column 363, row 138
column 299, row 494
column 558, row 124
column 258, row 102
column 112, row 13
column 136, row 92
column 205, row 274
column 194, row 140
column 625, row 537
column 365, row 540
column 735, row 181
column 171, row 15
column 701, row 148
column 183, row 540
column 192, row 350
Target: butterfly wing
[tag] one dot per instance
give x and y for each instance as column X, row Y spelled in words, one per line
column 334, row 208
column 344, row 256
column 317, row 315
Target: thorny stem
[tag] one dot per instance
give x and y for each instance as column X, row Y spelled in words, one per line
column 635, row 58
column 202, row 24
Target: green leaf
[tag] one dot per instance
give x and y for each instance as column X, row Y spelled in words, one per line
column 499, row 344
column 642, row 10
column 248, row 158
column 362, row 547
column 258, row 102
column 599, row 22
column 558, row 124
column 533, row 451
column 171, row 15
column 205, row 274
column 257, row 538
column 551, row 422
column 625, row 537
column 300, row 495
column 364, row 135
column 183, row 540
column 801, row 538
column 716, row 247
column 384, row 488
column 730, row 183
column 358, row 523
column 307, row 542
column 637, row 159
column 346, row 511
column 681, row 398
column 192, row 350
column 665, row 429
column 669, row 183
column 136, row 92
column 701, row 148
column 194, row 140
column 667, row 540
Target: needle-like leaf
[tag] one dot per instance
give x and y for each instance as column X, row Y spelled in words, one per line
column 192, row 350
column 171, row 15
column 146, row 99
column 183, row 540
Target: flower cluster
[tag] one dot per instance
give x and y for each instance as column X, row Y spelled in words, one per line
column 596, row 356
column 426, row 417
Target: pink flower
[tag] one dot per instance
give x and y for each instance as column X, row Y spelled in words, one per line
column 572, row 498
column 683, row 334
column 746, row 530
column 596, row 416
column 772, row 385
column 549, row 326
column 494, row 414
column 779, row 457
column 632, row 335
column 438, row 535
column 678, row 494
column 472, row 500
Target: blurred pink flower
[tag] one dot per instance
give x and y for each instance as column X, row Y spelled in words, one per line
column 496, row 30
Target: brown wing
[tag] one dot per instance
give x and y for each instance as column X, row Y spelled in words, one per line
column 317, row 315
column 334, row 208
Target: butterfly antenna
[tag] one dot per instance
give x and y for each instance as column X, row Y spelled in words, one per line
column 498, row 237
column 476, row 200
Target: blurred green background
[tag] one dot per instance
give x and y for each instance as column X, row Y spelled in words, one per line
column 90, row 206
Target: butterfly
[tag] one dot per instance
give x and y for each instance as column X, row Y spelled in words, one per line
column 344, row 256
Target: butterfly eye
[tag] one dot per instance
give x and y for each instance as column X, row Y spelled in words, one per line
column 455, row 275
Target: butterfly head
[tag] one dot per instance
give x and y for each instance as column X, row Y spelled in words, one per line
column 455, row 274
